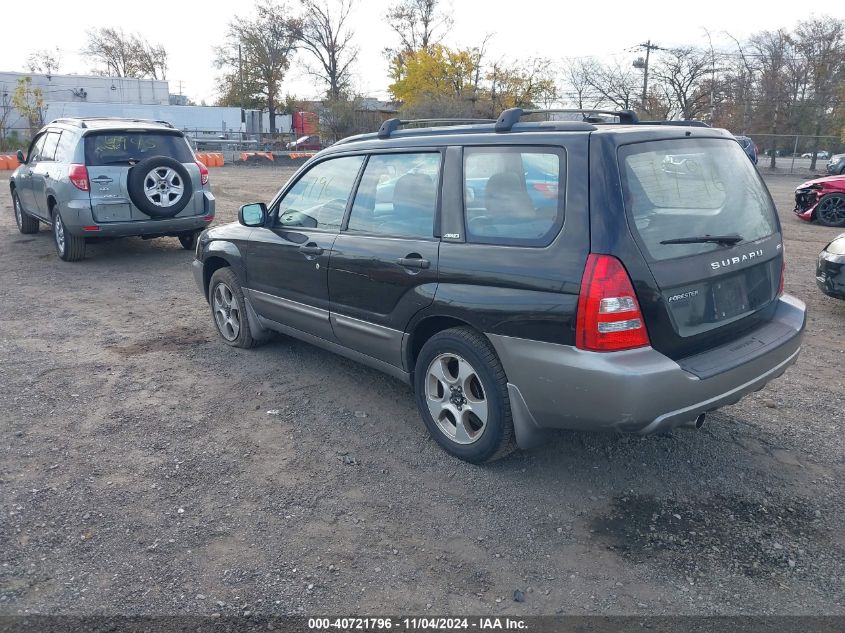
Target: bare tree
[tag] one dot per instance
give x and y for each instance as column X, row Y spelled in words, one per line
column 327, row 36
column 578, row 76
column 617, row 85
column 151, row 59
column 43, row 62
column 418, row 23
column 258, row 53
column 5, row 112
column 111, row 48
column 683, row 73
column 740, row 83
column 122, row 55
column 821, row 44
column 772, row 50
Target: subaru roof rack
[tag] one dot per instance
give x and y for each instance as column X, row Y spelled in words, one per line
column 508, row 118
column 681, row 123
column 391, row 125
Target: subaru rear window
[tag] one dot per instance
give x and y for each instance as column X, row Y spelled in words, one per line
column 124, row 148
column 686, row 189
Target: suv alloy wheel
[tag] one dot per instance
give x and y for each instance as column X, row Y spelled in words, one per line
column 462, row 396
column 69, row 247
column 26, row 223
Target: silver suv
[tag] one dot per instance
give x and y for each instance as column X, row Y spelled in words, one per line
column 97, row 178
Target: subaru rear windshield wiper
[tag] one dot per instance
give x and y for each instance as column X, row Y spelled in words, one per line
column 722, row 240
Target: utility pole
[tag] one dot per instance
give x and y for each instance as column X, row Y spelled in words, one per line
column 648, row 46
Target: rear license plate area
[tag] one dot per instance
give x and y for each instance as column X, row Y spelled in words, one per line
column 729, row 298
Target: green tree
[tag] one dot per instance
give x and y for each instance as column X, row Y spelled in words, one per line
column 434, row 72
column 528, row 84
column 257, row 55
column 29, row 102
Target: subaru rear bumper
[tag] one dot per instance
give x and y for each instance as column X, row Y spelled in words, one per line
column 641, row 390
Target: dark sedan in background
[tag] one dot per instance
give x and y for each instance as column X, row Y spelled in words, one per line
column 748, row 146
column 830, row 270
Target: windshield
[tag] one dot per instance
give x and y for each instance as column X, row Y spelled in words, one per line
column 123, row 148
column 680, row 192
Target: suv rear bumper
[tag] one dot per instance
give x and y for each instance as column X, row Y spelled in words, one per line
column 148, row 228
column 641, row 390
column 77, row 214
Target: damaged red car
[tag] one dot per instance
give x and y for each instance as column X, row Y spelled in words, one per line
column 822, row 200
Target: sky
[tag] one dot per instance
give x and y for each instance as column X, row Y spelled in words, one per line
column 556, row 30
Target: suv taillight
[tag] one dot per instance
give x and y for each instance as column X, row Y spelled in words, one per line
column 609, row 316
column 203, row 172
column 78, row 175
column 782, row 274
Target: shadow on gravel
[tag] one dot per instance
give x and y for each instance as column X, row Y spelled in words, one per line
column 177, row 338
column 747, row 537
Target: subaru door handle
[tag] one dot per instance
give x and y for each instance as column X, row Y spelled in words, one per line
column 413, row 262
column 311, row 249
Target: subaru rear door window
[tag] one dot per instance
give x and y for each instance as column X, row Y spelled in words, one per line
column 513, row 195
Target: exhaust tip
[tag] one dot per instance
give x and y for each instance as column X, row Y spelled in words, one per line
column 699, row 421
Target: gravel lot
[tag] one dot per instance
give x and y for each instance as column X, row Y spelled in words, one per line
column 140, row 471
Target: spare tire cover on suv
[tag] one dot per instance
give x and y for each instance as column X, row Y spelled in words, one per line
column 160, row 186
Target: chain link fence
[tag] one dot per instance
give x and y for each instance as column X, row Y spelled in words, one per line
column 794, row 154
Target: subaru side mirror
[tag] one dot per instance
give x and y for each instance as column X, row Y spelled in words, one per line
column 253, row 214
column 21, row 158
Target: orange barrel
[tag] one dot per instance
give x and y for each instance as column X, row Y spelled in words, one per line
column 221, row 160
column 4, row 163
column 12, row 161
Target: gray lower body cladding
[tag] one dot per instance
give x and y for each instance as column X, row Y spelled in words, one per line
column 639, row 390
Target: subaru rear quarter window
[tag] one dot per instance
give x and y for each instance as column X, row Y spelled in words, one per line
column 318, row 199
column 687, row 188
column 397, row 195
column 513, row 195
column 124, row 148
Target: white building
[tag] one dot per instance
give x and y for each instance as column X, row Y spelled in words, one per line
column 96, row 96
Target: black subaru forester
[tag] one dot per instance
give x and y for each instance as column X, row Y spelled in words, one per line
column 522, row 275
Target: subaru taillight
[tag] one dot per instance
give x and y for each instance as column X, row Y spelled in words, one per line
column 78, row 175
column 203, row 172
column 782, row 275
column 609, row 317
